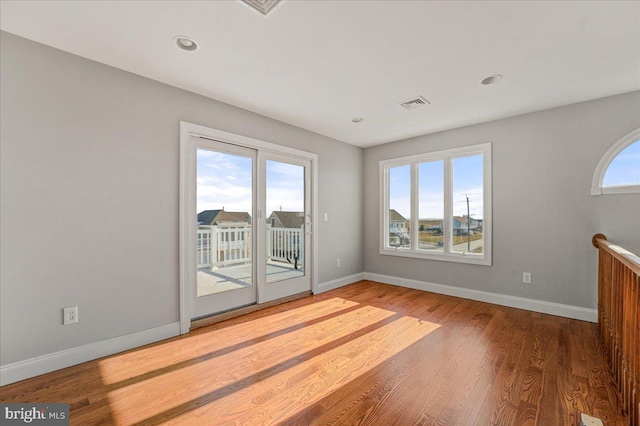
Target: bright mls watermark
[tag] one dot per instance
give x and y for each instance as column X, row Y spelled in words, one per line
column 53, row 414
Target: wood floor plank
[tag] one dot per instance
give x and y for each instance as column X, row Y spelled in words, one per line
column 363, row 354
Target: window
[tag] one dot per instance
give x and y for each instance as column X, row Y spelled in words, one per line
column 438, row 205
column 618, row 171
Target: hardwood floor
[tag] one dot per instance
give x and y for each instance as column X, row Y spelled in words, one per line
column 366, row 354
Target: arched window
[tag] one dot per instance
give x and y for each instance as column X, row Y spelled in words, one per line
column 618, row 171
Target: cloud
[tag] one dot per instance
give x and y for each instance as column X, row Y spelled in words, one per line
column 225, row 180
column 222, row 194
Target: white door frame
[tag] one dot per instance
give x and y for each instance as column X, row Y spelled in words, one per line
column 187, row 208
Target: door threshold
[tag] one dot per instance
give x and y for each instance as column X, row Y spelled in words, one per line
column 223, row 316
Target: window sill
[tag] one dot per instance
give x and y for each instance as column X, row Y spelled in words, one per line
column 473, row 259
column 630, row 189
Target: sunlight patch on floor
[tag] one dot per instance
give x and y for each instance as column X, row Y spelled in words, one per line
column 206, row 340
column 282, row 397
column 251, row 363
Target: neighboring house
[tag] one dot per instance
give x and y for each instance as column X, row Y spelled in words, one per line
column 217, row 217
column 398, row 232
column 460, row 225
column 280, row 219
column 286, row 241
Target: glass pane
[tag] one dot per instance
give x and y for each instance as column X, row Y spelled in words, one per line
column 625, row 168
column 399, row 206
column 431, row 206
column 285, row 223
column 224, row 241
column 468, row 206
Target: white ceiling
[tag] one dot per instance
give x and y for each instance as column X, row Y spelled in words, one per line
column 318, row 64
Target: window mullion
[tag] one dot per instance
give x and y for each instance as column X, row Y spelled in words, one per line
column 448, row 205
column 386, row 203
column 414, row 222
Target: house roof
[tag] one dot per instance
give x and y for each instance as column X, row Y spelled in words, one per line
column 211, row 217
column 395, row 216
column 206, row 216
column 460, row 219
column 289, row 219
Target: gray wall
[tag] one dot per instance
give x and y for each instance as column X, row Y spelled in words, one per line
column 543, row 213
column 89, row 162
column 89, row 197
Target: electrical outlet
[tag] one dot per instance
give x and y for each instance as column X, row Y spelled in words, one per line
column 70, row 315
column 526, row 277
column 337, row 263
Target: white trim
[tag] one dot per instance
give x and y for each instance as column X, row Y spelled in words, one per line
column 339, row 282
column 414, row 201
column 186, row 257
column 437, row 155
column 187, row 163
column 447, row 221
column 315, row 218
column 26, row 369
column 605, row 162
column 542, row 306
column 447, row 156
column 234, row 139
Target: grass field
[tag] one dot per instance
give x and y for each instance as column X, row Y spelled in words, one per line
column 427, row 238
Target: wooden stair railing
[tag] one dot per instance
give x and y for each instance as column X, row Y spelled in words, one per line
column 619, row 319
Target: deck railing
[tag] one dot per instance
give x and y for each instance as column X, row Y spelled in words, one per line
column 285, row 244
column 222, row 245
column 619, row 319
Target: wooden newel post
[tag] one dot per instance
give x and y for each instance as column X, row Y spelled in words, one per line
column 596, row 237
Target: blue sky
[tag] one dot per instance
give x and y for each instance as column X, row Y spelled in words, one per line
column 467, row 180
column 224, row 180
column 285, row 187
column 625, row 168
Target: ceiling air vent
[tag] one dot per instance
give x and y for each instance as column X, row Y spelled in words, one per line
column 262, row 6
column 414, row 103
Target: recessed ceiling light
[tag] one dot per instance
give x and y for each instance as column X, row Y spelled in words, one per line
column 357, row 119
column 492, row 79
column 186, row 43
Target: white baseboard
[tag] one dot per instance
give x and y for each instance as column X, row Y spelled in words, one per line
column 534, row 305
column 340, row 282
column 22, row 370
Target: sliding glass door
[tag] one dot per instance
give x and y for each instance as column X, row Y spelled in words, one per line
column 246, row 226
column 288, row 226
column 225, row 200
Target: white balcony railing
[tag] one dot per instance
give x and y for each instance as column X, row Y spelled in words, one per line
column 223, row 245
column 285, row 244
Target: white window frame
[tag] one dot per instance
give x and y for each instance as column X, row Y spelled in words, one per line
column 597, row 187
column 447, row 156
